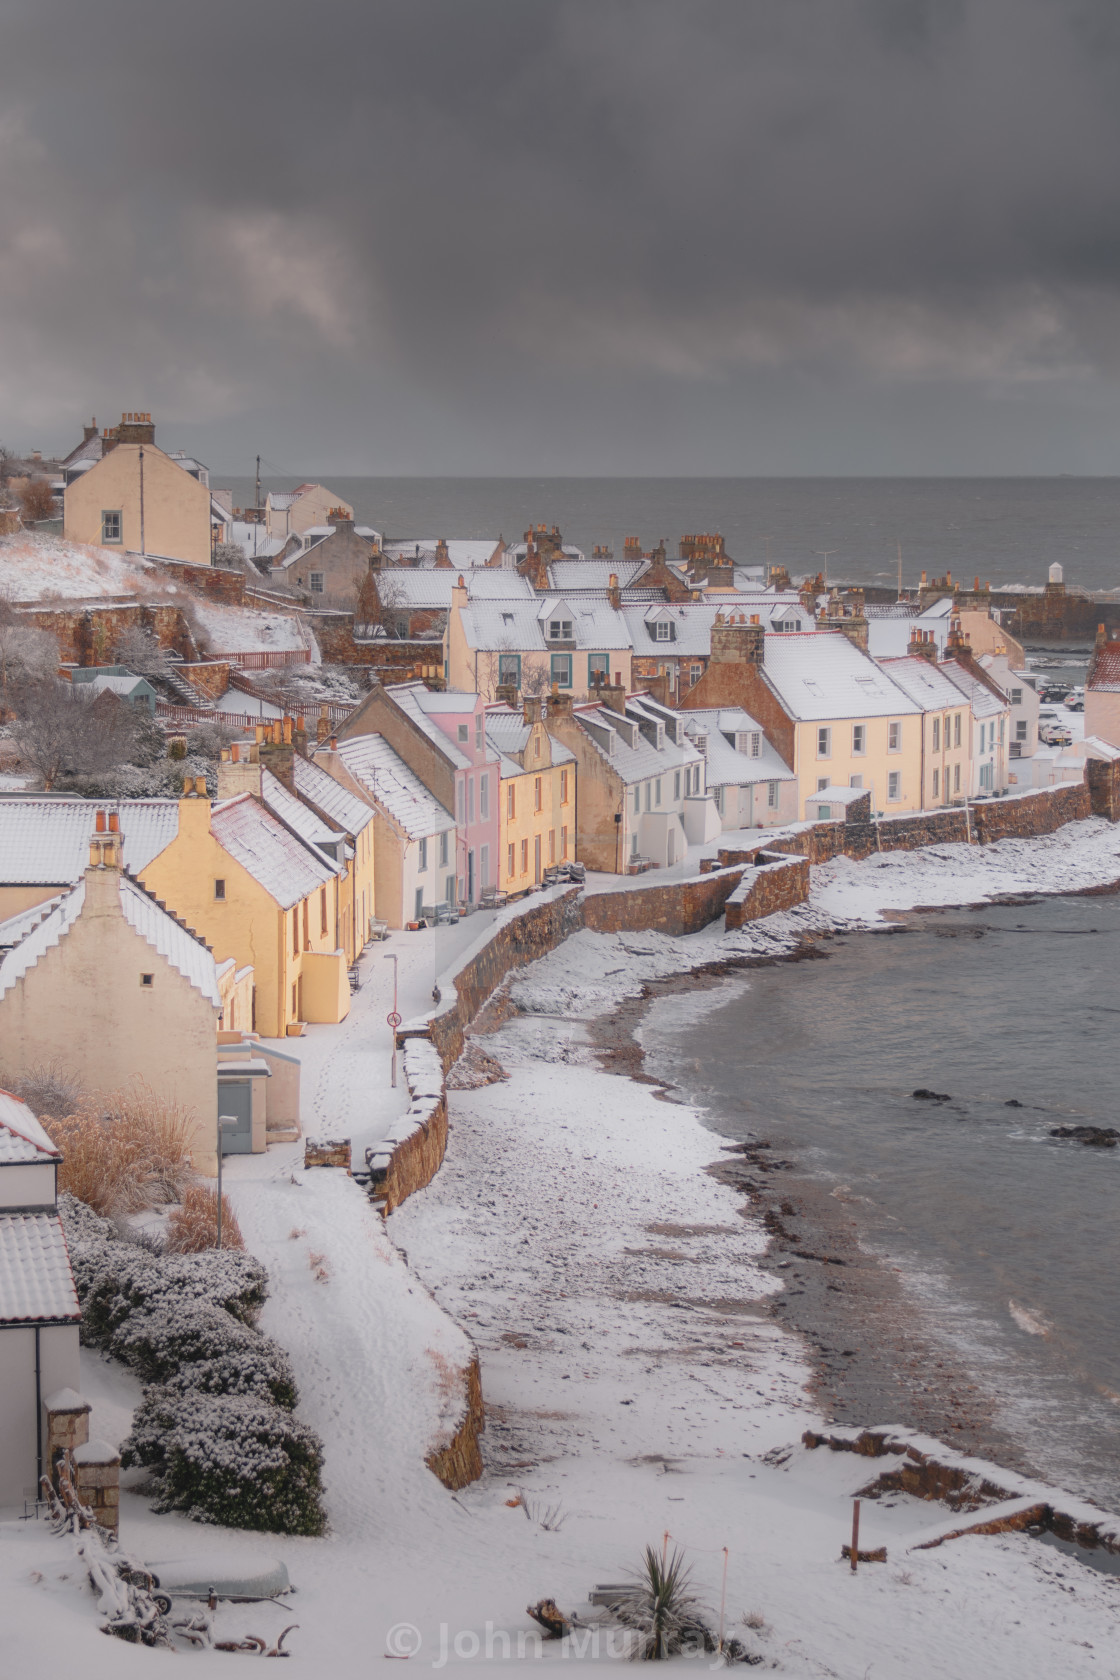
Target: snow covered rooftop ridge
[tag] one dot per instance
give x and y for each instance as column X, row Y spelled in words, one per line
column 821, row 674
column 464, row 553
column 44, row 841
column 421, row 704
column 330, row 796
column 22, row 957
column 22, row 1138
column 511, row 625
column 184, row 950
column 287, row 808
column 926, row 683
column 629, row 751
column 372, row 762
column 36, row 1283
column 978, row 691
column 286, row 868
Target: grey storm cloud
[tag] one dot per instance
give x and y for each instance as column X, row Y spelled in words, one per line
column 568, row 235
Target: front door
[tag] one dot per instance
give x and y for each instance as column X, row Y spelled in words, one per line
column 470, row 877
column 235, row 1098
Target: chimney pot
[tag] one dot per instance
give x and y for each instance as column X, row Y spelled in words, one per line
column 114, row 822
column 101, row 822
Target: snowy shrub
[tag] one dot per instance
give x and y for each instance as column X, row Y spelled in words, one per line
column 161, row 1341
column 229, row 1459
column 123, row 1151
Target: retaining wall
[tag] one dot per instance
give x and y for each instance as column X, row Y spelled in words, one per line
column 674, row 907
column 767, row 888
column 460, row 1462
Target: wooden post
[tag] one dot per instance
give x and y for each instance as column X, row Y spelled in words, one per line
column 723, row 1598
column 664, row 1547
column 855, row 1535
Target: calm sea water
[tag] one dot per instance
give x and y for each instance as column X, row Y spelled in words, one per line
column 1006, row 529
column 1008, row 1240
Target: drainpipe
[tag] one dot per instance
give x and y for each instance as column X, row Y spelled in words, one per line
column 38, row 1417
column 143, row 550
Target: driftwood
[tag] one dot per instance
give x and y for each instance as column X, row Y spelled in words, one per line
column 550, row 1617
column 879, row 1555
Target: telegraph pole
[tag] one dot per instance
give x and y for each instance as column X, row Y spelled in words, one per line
column 823, row 554
column 257, row 502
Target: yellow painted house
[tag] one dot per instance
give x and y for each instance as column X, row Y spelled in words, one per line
column 137, row 498
column 251, row 887
column 537, row 796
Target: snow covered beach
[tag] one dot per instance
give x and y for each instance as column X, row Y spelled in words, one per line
column 633, row 1376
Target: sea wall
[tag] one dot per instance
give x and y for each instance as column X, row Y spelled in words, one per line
column 674, row 907
column 766, row 889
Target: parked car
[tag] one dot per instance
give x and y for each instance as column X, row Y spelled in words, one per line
column 1055, row 735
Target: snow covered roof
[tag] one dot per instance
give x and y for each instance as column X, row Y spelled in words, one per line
column 36, row 1283
column 19, row 926
column 124, row 686
column 372, row 761
column 715, row 732
column 341, row 806
column 242, row 630
column 181, row 949
column 22, row 1139
column 508, row 733
column 287, row 808
column 45, row 841
column 594, row 574
column 281, row 864
column 254, row 539
column 691, row 621
column 405, row 586
column 1104, row 669
column 464, row 553
column 821, row 674
column 630, row 752
column 983, row 702
column 925, row 682
column 419, row 702
column 510, row 625
column 834, row 794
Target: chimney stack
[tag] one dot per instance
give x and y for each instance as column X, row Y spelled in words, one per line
column 735, row 642
column 614, row 593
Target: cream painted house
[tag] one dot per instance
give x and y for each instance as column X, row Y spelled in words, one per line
column 536, row 796
column 534, row 646
column 107, row 985
column 137, row 498
column 947, row 735
column 289, row 513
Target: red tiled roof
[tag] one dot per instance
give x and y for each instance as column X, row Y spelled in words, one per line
column 1104, row 669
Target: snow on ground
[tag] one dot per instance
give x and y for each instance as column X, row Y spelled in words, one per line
column 245, row 630
column 35, row 568
column 613, row 1291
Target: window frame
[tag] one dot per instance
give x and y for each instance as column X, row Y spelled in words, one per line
column 859, row 740
column 564, row 661
column 118, row 515
column 894, row 735
column 824, row 741
column 894, row 786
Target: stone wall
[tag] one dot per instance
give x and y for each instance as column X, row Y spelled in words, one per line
column 766, row 889
column 1104, row 788
column 460, row 1462
column 216, row 583
column 675, row 907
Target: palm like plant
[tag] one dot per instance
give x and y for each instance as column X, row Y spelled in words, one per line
column 662, row 1609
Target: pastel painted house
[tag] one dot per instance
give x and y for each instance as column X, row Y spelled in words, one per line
column 535, row 646
column 442, row 740
column 537, row 795
column 39, row 1313
column 1102, row 691
column 138, row 498
column 414, row 847
column 750, row 783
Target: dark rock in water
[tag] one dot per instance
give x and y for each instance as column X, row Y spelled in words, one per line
column 923, row 1095
column 1012, row 1102
column 1097, row 1137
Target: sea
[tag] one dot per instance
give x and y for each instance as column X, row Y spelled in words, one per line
column 1004, row 530
column 1004, row 1240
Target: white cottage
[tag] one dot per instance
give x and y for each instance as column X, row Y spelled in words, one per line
column 38, row 1301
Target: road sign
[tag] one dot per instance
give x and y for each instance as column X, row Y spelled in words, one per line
column 393, row 1018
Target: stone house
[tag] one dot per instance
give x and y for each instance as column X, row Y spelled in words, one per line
column 990, row 716
column 642, row 798
column 108, row 985
column 137, row 498
column 291, row 512
column 442, row 739
column 39, row 1313
column 537, row 795
column 1102, row 691
column 327, row 564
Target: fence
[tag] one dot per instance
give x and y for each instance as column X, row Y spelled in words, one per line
column 270, row 661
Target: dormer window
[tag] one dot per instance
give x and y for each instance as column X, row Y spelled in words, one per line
column 663, row 630
column 559, row 629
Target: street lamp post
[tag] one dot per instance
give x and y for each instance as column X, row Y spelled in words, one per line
column 394, row 1018
column 226, row 1123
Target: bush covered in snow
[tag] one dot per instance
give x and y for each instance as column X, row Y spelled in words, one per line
column 216, row 1426
column 229, row 1459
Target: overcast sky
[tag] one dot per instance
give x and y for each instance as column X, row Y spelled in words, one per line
column 567, row 236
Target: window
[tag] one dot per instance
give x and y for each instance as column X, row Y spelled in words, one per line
column 859, row 739
column 598, row 665
column 443, row 848
column 323, row 911
column 459, row 797
column 663, row 631
column 449, row 890
column 822, row 783
column 563, row 842
column 649, row 796
column 422, row 860
column 1021, row 730
column 464, row 734
column 219, row 889
column 657, row 791
column 719, row 797
column 936, row 777
column 418, row 907
column 756, row 744
column 524, row 857
column 855, row 781
column 894, row 784
column 1002, row 722
column 538, row 797
column 536, row 857
column 695, row 672
column 511, row 861
column 824, row 744
column 772, row 795
column 147, row 979
column 559, row 629
column 637, row 800
column 1016, row 697
column 676, row 784
column 316, row 583
column 509, row 669
column 937, row 734
column 956, row 778
column 957, row 730
column 470, row 799
column 295, row 941
column 563, row 787
column 560, row 671
column 511, row 801
column 110, row 525
column 552, row 845
column 484, row 796
column 484, row 866
column 894, row 737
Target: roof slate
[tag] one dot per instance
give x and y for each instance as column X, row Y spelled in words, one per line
column 372, row 761
column 45, row 841
column 282, row 865
column 36, row 1283
column 821, row 674
column 23, row 1140
column 1104, row 669
column 341, row 806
